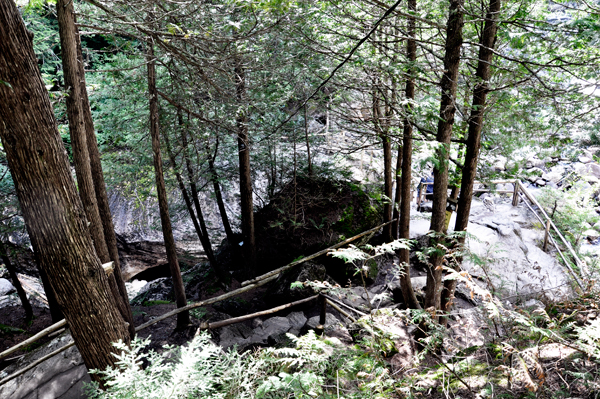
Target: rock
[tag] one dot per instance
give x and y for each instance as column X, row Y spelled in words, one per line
column 331, row 322
column 282, row 292
column 157, row 290
column 534, row 304
column 62, row 376
column 134, row 287
column 586, row 157
column 555, row 174
column 509, row 246
column 499, row 164
column 297, row 321
column 6, row 287
column 591, row 234
column 540, row 182
column 272, row 332
column 235, row 335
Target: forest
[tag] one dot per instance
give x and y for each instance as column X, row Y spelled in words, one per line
column 417, row 181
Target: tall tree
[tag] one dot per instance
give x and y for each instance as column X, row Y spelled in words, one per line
column 54, row 215
column 183, row 318
column 486, row 53
column 448, row 86
column 249, row 242
column 79, row 139
column 408, row 292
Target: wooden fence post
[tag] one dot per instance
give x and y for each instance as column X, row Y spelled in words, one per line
column 515, row 200
column 545, row 246
column 320, row 329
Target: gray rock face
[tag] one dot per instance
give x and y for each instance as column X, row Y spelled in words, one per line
column 264, row 332
column 158, row 290
column 510, row 245
column 60, row 377
column 6, row 287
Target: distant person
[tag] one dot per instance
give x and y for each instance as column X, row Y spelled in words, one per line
column 428, row 187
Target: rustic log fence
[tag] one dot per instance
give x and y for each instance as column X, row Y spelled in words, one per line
column 246, row 286
column 519, row 192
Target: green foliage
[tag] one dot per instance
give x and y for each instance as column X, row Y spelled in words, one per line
column 201, row 369
column 571, row 210
column 199, row 313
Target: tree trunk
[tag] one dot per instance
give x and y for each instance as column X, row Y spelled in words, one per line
column 444, row 133
column 196, row 200
column 77, row 129
column 54, row 215
column 408, row 292
column 15, row 279
column 381, row 131
column 247, row 207
column 480, row 91
column 397, row 195
column 188, row 203
column 183, row 318
column 219, row 197
column 55, row 311
column 310, row 170
column 100, row 191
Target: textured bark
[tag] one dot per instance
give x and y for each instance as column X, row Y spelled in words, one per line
column 77, row 130
column 444, row 133
column 397, row 195
column 480, row 91
column 17, row 284
column 247, row 206
column 183, row 318
column 54, row 215
column 408, row 292
column 101, row 195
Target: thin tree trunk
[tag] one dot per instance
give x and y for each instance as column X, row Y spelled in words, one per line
column 310, row 170
column 101, row 195
column 77, row 129
column 408, row 293
column 55, row 311
column 54, row 215
column 247, row 206
column 219, row 197
column 183, row 318
column 480, row 91
column 15, row 280
column 444, row 133
column 194, row 189
column 188, row 203
column 381, row 131
column 398, row 195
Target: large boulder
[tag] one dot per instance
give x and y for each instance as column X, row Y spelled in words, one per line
column 310, row 215
column 507, row 246
column 6, row 287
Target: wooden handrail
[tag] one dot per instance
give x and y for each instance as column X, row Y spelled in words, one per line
column 315, row 255
column 534, row 201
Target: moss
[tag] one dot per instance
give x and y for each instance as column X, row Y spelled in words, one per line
column 373, row 268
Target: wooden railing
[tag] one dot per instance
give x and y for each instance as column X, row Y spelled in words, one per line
column 246, row 286
column 520, row 192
